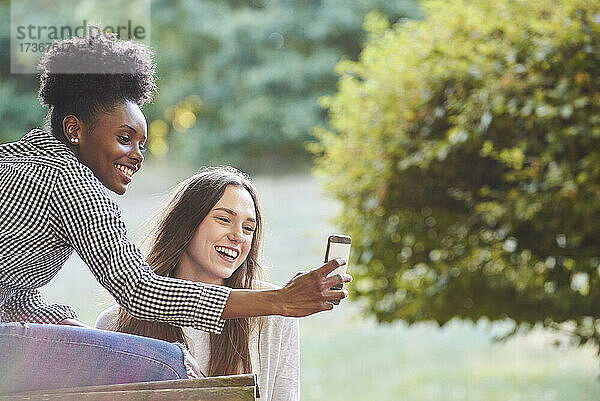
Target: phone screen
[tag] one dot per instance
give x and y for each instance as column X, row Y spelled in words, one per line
column 338, row 246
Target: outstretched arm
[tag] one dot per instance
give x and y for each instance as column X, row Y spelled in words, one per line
column 89, row 221
column 305, row 294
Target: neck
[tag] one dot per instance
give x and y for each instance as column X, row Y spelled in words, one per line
column 187, row 269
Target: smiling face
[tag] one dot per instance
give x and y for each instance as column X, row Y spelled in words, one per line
column 222, row 241
column 112, row 149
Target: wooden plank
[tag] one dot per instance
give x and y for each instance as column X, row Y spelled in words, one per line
column 235, row 388
column 219, row 381
column 239, row 393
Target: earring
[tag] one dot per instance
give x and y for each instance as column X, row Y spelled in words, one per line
column 75, row 140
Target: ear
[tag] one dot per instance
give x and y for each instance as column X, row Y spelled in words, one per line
column 72, row 128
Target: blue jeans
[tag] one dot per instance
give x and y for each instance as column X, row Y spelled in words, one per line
column 44, row 356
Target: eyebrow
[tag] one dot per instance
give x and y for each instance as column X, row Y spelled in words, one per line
column 128, row 126
column 231, row 212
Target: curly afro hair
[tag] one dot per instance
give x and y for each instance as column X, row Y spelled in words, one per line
column 84, row 76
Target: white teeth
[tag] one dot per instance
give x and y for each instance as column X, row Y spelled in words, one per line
column 232, row 253
column 126, row 170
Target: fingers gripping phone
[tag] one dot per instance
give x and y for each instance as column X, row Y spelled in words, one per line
column 338, row 246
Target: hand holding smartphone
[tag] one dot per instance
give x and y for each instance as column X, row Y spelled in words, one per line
column 338, row 246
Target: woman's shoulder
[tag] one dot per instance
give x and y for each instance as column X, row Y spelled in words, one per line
column 76, row 180
column 80, row 177
column 107, row 318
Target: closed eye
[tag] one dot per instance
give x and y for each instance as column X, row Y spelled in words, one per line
column 223, row 219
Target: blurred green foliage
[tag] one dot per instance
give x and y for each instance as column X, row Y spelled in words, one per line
column 465, row 148
column 239, row 81
column 20, row 110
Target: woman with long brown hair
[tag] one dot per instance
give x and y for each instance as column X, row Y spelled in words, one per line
column 210, row 231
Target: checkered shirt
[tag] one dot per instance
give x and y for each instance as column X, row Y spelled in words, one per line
column 50, row 205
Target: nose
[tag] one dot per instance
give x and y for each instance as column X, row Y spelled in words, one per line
column 136, row 155
column 235, row 235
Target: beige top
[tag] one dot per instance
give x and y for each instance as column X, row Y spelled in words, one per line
column 274, row 352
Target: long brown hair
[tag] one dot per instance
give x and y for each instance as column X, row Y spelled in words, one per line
column 170, row 236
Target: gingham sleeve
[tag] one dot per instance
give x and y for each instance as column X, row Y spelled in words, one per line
column 29, row 306
column 88, row 220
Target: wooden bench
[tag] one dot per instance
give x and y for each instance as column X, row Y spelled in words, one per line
column 230, row 388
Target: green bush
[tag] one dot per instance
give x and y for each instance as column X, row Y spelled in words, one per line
column 465, row 149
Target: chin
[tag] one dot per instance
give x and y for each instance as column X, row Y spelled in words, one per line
column 227, row 274
column 119, row 190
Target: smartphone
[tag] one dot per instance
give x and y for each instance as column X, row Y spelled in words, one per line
column 338, row 246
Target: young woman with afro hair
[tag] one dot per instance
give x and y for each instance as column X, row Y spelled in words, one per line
column 54, row 200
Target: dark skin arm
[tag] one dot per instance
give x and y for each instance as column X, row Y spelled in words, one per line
column 305, row 294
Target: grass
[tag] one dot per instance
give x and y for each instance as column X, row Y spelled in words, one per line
column 344, row 355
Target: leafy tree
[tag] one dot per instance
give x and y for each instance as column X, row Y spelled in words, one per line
column 244, row 77
column 465, row 149
column 239, row 80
